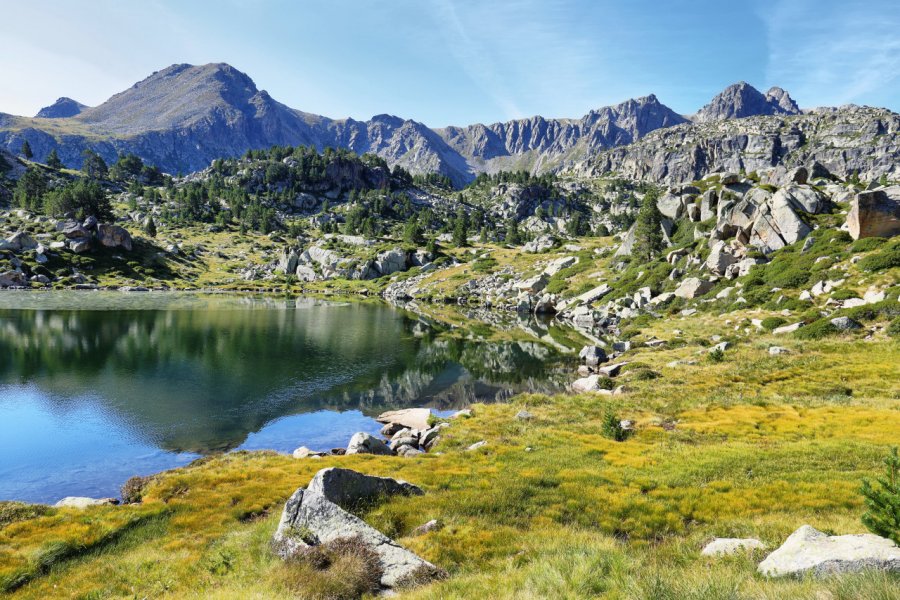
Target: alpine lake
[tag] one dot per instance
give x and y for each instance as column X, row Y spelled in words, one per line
column 96, row 387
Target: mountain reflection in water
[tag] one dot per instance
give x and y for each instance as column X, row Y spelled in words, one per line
column 126, row 377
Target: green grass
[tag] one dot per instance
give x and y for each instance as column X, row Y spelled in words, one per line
column 756, row 445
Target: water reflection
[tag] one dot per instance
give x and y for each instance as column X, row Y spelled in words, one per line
column 182, row 376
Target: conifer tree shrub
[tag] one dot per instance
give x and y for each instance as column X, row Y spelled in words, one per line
column 882, row 499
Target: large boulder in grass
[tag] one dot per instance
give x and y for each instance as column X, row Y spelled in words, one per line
column 113, row 236
column 808, row 550
column 693, row 287
column 319, row 514
column 875, row 214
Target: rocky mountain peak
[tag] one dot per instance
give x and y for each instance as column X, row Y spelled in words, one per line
column 63, row 108
column 778, row 96
column 743, row 100
column 176, row 96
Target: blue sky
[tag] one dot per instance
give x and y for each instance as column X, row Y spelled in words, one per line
column 460, row 61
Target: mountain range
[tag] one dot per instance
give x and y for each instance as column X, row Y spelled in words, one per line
column 184, row 116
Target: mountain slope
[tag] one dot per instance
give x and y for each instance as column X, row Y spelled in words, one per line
column 184, row 116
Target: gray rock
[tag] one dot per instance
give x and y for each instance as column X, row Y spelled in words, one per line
column 414, row 418
column 875, row 214
column 12, row 279
column 559, row 264
column 20, row 241
column 82, row 502
column 432, row 525
column 319, row 514
column 534, row 284
column 787, row 328
column 79, row 246
column 524, row 415
column 113, row 236
column 808, row 550
column 845, row 323
column 363, row 443
column 720, row 258
column 720, row 347
column 392, row 261
column 693, row 287
column 592, row 355
column 777, row 351
column 729, row 546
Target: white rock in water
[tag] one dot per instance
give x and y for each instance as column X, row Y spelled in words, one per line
column 727, row 546
column 808, row 550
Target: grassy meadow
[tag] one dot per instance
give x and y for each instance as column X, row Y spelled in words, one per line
column 746, row 445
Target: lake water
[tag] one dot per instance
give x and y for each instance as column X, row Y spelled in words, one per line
column 98, row 386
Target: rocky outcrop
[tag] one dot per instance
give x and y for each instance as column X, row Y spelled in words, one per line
column 875, row 214
column 743, row 100
column 319, row 514
column 113, row 236
column 808, row 550
column 834, row 141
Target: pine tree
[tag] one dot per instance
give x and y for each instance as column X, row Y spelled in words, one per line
column 882, row 500
column 513, row 237
column 53, row 160
column 648, row 240
column 412, row 234
column 460, row 230
column 150, row 227
column 26, row 150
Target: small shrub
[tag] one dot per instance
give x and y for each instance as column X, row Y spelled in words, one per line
column 606, row 383
column 867, row 244
column 11, row 512
column 612, row 429
column 644, row 374
column 886, row 259
column 844, row 295
column 816, row 330
column 341, row 569
column 770, row 323
column 893, row 329
column 133, row 489
column 882, row 499
column 716, row 355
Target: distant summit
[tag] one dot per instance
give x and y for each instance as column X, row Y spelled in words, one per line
column 743, row 100
column 61, row 109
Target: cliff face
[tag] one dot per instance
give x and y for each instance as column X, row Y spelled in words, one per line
column 843, row 140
